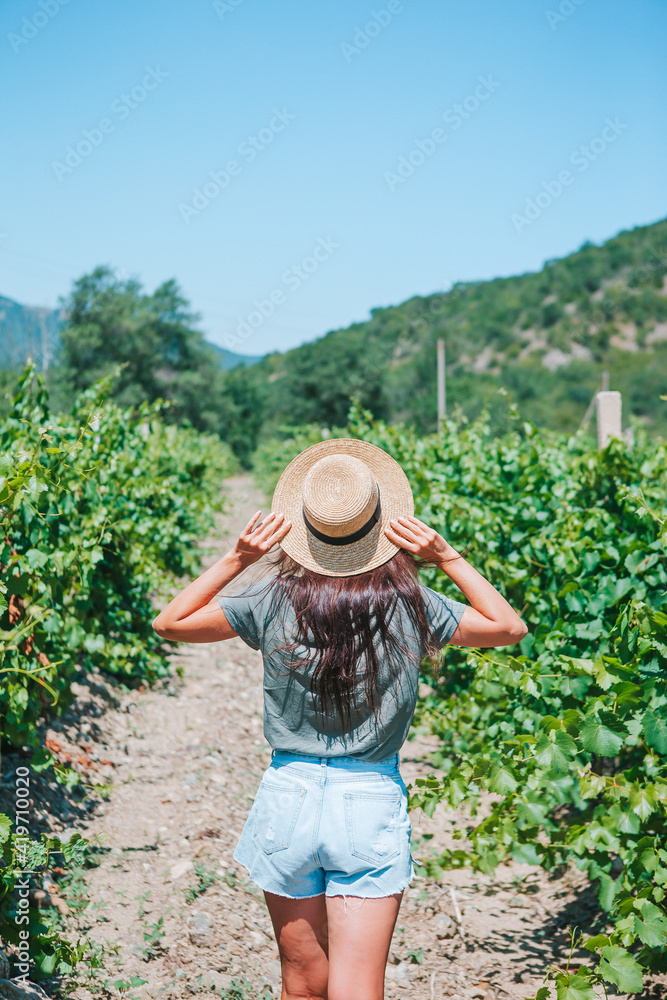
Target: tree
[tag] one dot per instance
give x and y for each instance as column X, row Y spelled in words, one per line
column 112, row 321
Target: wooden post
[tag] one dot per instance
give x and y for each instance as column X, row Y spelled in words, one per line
column 442, row 385
column 604, row 387
column 608, row 407
column 45, row 344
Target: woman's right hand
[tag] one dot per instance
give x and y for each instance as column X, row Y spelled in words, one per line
column 415, row 536
column 257, row 539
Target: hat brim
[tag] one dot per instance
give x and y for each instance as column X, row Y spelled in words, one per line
column 369, row 552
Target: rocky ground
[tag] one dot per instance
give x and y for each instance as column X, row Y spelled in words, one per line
column 168, row 905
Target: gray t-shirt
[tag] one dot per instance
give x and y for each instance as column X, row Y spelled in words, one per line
column 291, row 720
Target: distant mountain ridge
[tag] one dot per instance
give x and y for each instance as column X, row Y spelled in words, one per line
column 33, row 331
column 228, row 359
column 27, row 331
column 546, row 337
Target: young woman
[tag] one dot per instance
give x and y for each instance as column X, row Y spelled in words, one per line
column 343, row 626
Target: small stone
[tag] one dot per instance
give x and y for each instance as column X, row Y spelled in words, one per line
column 180, row 868
column 20, row 990
column 216, row 981
column 257, row 939
column 234, row 921
column 153, row 989
column 274, row 969
column 399, row 973
column 201, row 930
column 444, row 927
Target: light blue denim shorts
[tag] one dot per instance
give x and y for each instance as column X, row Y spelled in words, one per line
column 334, row 825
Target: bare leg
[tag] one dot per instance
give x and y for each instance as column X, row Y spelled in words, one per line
column 300, row 927
column 360, row 933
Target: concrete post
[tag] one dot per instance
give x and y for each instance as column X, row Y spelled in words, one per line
column 608, row 408
column 442, row 386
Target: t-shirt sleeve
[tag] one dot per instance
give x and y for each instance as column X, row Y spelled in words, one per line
column 246, row 612
column 443, row 614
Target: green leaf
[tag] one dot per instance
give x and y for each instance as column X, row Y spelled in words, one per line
column 41, row 760
column 627, row 693
column 94, row 643
column 571, row 721
column 618, row 966
column 589, row 630
column 596, row 942
column 5, row 827
column 603, row 736
column 655, row 728
column 549, row 722
column 528, row 685
column 642, row 800
column 525, row 854
column 577, row 987
column 555, row 750
column 502, row 781
column 606, row 891
column 531, row 811
column 652, row 928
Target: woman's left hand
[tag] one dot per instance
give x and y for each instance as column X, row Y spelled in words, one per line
column 257, row 539
column 415, row 536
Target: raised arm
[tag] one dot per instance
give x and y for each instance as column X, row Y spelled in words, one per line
column 194, row 615
column 490, row 621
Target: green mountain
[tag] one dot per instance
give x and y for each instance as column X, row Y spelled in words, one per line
column 546, row 337
column 228, row 359
column 27, row 331
column 32, row 331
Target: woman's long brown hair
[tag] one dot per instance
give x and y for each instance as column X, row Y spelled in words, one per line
column 347, row 624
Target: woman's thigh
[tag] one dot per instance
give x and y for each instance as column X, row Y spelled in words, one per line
column 360, row 933
column 300, row 926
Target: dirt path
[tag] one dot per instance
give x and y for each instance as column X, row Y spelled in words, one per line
column 185, row 761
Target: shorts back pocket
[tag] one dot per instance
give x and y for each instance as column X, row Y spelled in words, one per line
column 372, row 823
column 276, row 811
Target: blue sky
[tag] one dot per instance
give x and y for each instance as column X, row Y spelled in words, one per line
column 334, row 194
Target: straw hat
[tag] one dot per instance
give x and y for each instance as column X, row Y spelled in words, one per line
column 340, row 495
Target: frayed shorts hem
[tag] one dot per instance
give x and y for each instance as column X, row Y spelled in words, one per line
column 329, row 891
